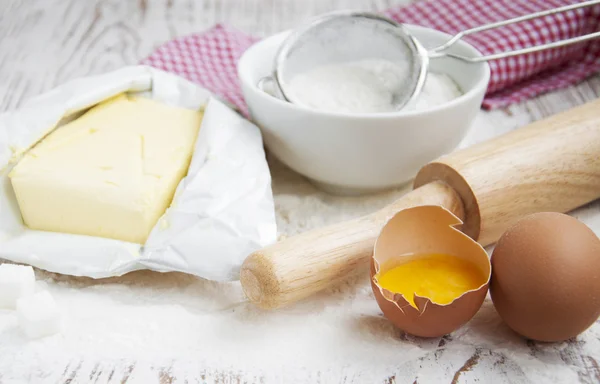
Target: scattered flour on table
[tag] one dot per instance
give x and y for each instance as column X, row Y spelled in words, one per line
column 152, row 324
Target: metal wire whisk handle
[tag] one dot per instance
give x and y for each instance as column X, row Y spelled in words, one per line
column 440, row 51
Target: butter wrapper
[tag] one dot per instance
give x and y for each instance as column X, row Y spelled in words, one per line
column 222, row 210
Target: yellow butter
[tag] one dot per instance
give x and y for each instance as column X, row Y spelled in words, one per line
column 438, row 277
column 110, row 173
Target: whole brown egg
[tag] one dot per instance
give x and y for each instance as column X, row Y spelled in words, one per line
column 546, row 277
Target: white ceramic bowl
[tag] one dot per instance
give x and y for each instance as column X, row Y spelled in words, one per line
column 358, row 153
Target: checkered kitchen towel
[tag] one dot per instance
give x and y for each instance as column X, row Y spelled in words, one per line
column 210, row 58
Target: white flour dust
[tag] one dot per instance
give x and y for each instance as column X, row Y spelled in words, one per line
column 366, row 86
column 144, row 321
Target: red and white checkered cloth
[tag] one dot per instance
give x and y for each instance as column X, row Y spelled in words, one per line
column 210, row 58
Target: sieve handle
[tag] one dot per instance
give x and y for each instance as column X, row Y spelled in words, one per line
column 440, row 51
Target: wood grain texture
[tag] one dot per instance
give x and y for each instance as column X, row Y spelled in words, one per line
column 551, row 165
column 44, row 43
column 305, row 264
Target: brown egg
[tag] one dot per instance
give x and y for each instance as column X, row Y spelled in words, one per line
column 546, row 277
column 427, row 230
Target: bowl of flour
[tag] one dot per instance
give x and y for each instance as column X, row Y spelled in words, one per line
column 365, row 86
column 340, row 127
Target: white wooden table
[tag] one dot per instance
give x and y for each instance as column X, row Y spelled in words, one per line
column 44, row 43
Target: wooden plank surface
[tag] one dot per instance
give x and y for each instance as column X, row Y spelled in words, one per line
column 44, row 43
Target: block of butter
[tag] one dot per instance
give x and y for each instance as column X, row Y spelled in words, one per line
column 112, row 172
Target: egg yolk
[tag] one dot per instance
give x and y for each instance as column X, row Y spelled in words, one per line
column 438, row 277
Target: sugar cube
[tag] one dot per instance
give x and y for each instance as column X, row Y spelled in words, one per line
column 38, row 315
column 16, row 281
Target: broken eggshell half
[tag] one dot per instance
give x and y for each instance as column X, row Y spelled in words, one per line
column 427, row 230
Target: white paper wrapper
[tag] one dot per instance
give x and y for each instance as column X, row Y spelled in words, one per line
column 222, row 211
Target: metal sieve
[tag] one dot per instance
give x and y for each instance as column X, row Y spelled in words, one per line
column 347, row 36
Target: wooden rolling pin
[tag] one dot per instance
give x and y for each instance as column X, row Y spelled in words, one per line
column 550, row 165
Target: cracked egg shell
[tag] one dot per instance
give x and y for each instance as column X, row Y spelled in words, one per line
column 427, row 230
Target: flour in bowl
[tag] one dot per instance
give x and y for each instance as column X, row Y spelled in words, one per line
column 366, row 86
